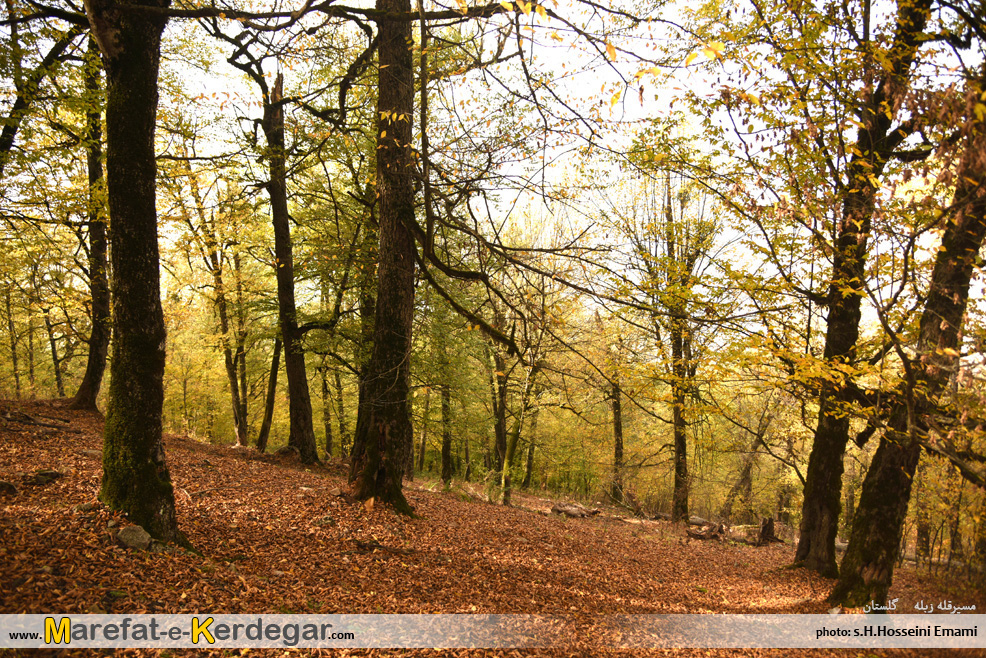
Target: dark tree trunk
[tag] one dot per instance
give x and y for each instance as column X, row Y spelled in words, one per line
column 616, row 400
column 383, row 429
column 823, row 482
column 529, row 466
column 867, row 568
column 302, row 432
column 11, row 327
column 424, row 432
column 341, row 416
column 326, row 407
column 275, row 363
column 241, row 336
column 679, row 503
column 99, row 289
column 498, row 391
column 55, row 361
column 446, row 434
column 136, row 480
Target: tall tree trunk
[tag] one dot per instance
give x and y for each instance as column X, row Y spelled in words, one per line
column 531, row 443
column 241, row 336
column 55, row 361
column 136, row 480
column 275, row 364
column 12, row 328
column 867, row 568
column 823, row 481
column 679, row 503
column 506, row 480
column 326, row 407
column 616, row 401
column 498, row 392
column 302, row 433
column 424, row 432
column 99, row 289
column 341, row 416
column 446, row 434
column 383, row 429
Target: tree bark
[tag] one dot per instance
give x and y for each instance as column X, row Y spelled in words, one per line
column 679, row 503
column 99, row 289
column 424, row 432
column 383, row 429
column 341, row 416
column 446, row 434
column 55, row 361
column 823, row 481
column 275, row 363
column 616, row 402
column 867, row 568
column 12, row 328
column 326, row 407
column 136, row 480
column 302, row 432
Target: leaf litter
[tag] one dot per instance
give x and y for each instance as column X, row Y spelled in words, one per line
column 278, row 537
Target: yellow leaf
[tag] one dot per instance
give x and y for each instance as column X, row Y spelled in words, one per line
column 542, row 12
column 383, row 134
column 509, row 6
column 691, row 57
column 615, row 99
column 980, row 111
column 611, row 51
column 524, row 7
column 950, row 352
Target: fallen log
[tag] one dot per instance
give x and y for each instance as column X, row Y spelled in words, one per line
column 715, row 531
column 573, row 510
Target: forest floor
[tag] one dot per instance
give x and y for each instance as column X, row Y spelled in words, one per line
column 275, row 537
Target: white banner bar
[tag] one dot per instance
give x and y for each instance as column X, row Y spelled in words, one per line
column 493, row 631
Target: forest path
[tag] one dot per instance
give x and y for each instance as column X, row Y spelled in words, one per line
column 276, row 537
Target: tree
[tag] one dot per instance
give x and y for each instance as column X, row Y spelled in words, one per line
column 136, row 479
column 99, row 336
column 867, row 567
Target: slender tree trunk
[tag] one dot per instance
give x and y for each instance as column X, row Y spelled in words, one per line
column 341, row 416
column 326, row 407
column 424, row 432
column 55, row 361
column 867, row 568
column 679, row 503
column 498, row 392
column 275, row 363
column 241, row 336
column 823, row 481
column 383, row 429
column 136, row 480
column 302, row 433
column 99, row 289
column 616, row 401
column 12, row 328
column 529, row 466
column 30, row 351
column 468, row 472
column 446, row 434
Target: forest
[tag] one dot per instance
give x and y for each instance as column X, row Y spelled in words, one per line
column 709, row 263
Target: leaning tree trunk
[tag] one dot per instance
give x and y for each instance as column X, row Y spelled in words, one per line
column 136, row 480
column 302, row 432
column 99, row 290
column 867, row 568
column 875, row 144
column 275, row 363
column 383, row 429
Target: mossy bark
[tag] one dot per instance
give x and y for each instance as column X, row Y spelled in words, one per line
column 383, row 429
column 136, row 480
